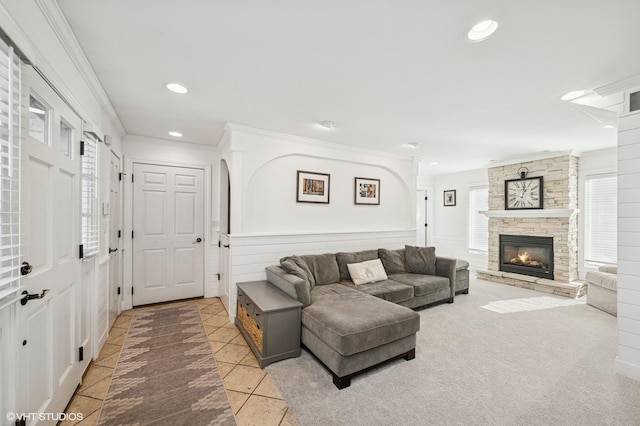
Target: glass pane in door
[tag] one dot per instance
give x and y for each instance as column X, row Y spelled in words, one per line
column 39, row 121
column 66, row 138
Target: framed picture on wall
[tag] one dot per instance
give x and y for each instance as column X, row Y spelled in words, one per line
column 450, row 197
column 313, row 187
column 367, row 191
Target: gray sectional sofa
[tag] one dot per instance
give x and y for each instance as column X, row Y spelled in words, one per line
column 353, row 327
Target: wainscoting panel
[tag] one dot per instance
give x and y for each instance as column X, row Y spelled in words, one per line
column 250, row 254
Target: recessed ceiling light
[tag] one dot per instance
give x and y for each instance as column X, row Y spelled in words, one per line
column 435, row 163
column 328, row 125
column 177, row 88
column 573, row 95
column 482, row 30
column 412, row 145
column 175, row 134
column 609, row 126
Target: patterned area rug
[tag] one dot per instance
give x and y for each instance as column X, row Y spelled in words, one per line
column 166, row 374
column 529, row 304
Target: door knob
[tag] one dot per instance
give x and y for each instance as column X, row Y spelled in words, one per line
column 198, row 240
column 26, row 296
column 26, row 268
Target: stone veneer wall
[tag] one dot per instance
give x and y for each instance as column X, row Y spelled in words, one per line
column 560, row 188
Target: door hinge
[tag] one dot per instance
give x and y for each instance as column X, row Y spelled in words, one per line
column 219, row 243
column 120, row 176
column 118, row 290
column 218, row 275
column 131, row 177
column 81, row 251
column 132, row 291
column 426, row 198
column 81, row 353
column 119, row 233
column 132, row 235
column 81, row 147
column 425, row 225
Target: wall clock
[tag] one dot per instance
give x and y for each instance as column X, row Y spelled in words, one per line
column 523, row 193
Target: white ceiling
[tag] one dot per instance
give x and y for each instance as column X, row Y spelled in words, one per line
column 387, row 72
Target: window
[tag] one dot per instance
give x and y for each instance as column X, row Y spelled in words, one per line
column 478, row 223
column 39, row 120
column 9, row 172
column 89, row 197
column 66, row 138
column 600, row 219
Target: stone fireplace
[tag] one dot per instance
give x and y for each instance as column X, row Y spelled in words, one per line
column 557, row 222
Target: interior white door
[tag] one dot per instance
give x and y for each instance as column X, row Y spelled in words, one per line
column 115, row 234
column 168, row 233
column 47, row 327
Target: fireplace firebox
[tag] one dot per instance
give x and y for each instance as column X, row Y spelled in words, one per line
column 527, row 255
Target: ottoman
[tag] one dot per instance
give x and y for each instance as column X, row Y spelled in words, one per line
column 350, row 331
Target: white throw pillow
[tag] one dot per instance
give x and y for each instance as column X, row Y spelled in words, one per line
column 367, row 272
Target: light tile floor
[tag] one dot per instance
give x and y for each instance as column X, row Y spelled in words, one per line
column 253, row 395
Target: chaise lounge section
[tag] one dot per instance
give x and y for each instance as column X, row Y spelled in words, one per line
column 351, row 326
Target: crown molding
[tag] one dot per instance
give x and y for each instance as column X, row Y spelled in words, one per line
column 243, row 128
column 619, row 86
column 58, row 23
column 534, row 157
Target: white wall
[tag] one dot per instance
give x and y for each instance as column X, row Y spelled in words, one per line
column 160, row 151
column 628, row 361
column 268, row 186
column 450, row 225
column 591, row 163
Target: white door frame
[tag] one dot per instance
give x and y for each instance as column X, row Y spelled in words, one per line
column 210, row 243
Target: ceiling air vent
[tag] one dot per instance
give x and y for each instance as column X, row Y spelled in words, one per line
column 634, row 101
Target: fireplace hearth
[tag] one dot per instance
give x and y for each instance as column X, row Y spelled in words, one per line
column 527, row 255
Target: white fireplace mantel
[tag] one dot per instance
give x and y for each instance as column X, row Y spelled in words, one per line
column 530, row 213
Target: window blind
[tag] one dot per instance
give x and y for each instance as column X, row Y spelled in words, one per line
column 10, row 76
column 478, row 223
column 601, row 216
column 90, row 231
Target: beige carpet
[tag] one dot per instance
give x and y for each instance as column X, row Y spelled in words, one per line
column 474, row 366
column 166, row 374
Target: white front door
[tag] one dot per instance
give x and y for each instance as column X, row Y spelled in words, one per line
column 168, row 233
column 48, row 365
column 115, row 233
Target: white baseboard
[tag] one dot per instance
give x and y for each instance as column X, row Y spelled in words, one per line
column 627, row 369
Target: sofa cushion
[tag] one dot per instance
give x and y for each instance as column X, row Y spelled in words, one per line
column 295, row 265
column 350, row 321
column 368, row 271
column 389, row 290
column 353, row 257
column 393, row 260
column 323, row 267
column 420, row 260
column 422, row 284
column 602, row 279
